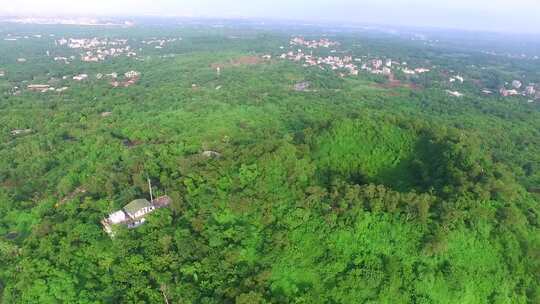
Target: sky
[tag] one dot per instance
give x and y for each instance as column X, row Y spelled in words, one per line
column 494, row 15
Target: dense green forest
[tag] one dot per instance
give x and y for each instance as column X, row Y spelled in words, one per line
column 353, row 191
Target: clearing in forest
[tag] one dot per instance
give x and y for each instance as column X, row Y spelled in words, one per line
column 239, row 61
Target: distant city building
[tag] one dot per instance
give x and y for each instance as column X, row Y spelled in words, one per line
column 487, row 92
column 408, row 71
column 421, row 70
column 132, row 74
column 454, row 93
column 530, row 90
column 80, row 77
column 38, row 87
column 377, row 63
column 505, row 93
column 313, row 44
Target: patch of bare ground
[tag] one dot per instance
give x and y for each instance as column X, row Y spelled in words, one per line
column 395, row 83
column 244, row 60
column 72, row 195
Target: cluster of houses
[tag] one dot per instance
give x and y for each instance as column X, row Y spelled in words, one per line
column 80, row 21
column 333, row 62
column 513, row 56
column 160, row 43
column 44, row 88
column 90, row 43
column 96, row 49
column 133, row 214
column 130, row 78
column 517, row 88
column 101, row 55
column 456, row 79
column 66, row 60
column 346, row 64
column 11, row 37
column 375, row 66
column 415, row 71
column 313, row 44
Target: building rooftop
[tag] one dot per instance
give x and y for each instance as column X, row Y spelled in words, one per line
column 136, row 205
column 117, row 217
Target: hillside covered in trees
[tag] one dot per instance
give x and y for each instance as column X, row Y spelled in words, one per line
column 325, row 186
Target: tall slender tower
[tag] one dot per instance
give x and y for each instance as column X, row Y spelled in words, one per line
column 150, row 188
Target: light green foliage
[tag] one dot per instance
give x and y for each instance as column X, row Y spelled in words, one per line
column 366, row 150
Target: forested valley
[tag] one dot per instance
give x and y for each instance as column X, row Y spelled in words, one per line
column 289, row 183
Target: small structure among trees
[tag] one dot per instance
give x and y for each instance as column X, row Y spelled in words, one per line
column 132, row 215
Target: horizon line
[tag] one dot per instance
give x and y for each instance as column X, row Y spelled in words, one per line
column 303, row 22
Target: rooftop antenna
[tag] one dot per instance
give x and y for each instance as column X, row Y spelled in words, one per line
column 150, row 188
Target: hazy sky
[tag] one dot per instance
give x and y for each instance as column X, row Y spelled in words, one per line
column 499, row 15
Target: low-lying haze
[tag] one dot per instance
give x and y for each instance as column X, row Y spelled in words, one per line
column 493, row 15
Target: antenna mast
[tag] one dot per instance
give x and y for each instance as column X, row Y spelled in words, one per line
column 150, row 188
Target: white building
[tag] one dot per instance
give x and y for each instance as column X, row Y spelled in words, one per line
column 138, row 208
column 421, row 70
column 454, row 93
column 408, row 72
column 504, row 92
column 80, row 77
column 132, row 74
column 377, row 63
column 530, row 90
column 117, row 217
